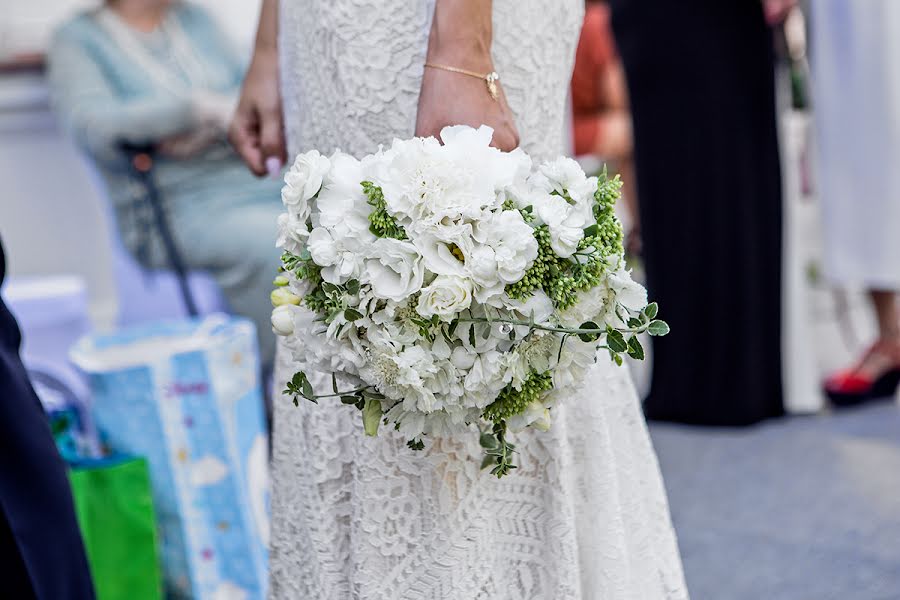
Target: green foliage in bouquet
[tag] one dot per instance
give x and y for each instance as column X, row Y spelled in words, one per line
column 381, row 223
column 561, row 278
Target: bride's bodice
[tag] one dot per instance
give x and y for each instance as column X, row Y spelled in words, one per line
column 351, row 69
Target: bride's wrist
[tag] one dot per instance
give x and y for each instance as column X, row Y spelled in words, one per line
column 461, row 34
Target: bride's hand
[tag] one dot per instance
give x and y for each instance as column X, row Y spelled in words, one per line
column 461, row 38
column 257, row 129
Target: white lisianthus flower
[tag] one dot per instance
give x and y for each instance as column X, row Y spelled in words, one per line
column 445, row 249
column 283, row 295
column 283, row 319
column 394, row 269
column 445, row 297
column 303, row 181
column 512, row 241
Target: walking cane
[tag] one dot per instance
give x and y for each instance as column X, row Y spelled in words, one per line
column 141, row 161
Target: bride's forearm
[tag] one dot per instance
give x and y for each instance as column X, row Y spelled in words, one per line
column 267, row 31
column 461, row 33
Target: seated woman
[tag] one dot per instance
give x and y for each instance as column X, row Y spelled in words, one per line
column 160, row 73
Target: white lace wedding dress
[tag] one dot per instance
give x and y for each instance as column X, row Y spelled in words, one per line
column 585, row 515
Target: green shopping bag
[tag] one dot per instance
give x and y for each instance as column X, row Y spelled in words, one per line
column 115, row 513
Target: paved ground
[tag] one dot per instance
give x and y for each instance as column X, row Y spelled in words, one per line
column 797, row 509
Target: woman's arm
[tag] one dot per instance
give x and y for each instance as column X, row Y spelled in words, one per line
column 97, row 118
column 257, row 129
column 461, row 37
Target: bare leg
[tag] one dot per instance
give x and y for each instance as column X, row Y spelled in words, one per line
column 885, row 302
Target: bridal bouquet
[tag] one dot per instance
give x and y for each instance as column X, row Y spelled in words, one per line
column 444, row 288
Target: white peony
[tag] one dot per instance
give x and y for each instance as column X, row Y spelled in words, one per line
column 394, row 269
column 445, row 297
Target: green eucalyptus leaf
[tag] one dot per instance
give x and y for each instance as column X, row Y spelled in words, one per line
column 488, row 461
column 349, row 399
column 487, row 441
column 658, row 328
column 371, row 415
column 589, row 337
column 351, row 314
column 635, row 349
column 616, row 341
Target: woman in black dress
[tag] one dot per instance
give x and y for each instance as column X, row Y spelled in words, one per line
column 41, row 552
column 701, row 83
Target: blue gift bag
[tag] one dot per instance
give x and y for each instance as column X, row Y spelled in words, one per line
column 186, row 395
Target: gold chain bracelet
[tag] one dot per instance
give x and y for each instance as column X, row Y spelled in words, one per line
column 490, row 79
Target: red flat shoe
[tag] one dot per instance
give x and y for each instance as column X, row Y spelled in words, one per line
column 855, row 386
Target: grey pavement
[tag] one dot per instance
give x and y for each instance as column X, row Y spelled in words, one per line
column 800, row 508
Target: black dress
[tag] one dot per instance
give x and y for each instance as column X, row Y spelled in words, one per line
column 701, row 82
column 41, row 551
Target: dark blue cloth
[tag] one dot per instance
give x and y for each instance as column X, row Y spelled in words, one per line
column 41, row 552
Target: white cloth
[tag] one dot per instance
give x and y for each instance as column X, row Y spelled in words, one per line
column 585, row 515
column 856, row 69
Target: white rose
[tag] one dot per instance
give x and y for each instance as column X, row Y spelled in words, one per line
column 303, row 181
column 283, row 320
column 394, row 269
column 445, row 297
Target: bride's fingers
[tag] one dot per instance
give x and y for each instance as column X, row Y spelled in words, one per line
column 272, row 136
column 244, row 137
